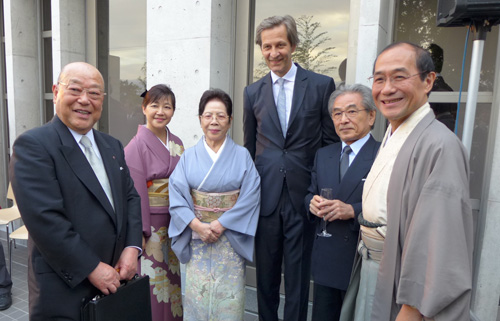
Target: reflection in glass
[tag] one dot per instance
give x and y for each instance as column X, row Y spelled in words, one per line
column 126, row 66
column 323, row 30
column 416, row 22
column 478, row 146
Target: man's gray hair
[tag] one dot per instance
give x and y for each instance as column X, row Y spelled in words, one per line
column 365, row 92
column 275, row 21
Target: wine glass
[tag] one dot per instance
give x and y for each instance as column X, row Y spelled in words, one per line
column 327, row 194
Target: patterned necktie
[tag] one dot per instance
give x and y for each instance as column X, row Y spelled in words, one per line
column 282, row 105
column 98, row 167
column 344, row 161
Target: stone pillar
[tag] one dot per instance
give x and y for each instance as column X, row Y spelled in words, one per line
column 373, row 31
column 189, row 48
column 68, row 33
column 24, row 92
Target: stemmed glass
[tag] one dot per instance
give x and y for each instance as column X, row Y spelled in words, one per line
column 326, row 194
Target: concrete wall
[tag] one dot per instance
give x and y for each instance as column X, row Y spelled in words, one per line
column 24, row 89
column 190, row 61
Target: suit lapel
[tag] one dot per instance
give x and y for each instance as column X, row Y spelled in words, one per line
column 267, row 91
column 299, row 91
column 81, row 167
column 358, row 170
column 113, row 170
column 330, row 175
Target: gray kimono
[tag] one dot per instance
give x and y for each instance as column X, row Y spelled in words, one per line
column 427, row 257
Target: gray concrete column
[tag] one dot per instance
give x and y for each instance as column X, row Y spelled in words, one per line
column 189, row 47
column 24, row 92
column 68, row 33
column 372, row 32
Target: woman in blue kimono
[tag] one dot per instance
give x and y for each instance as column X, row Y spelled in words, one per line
column 214, row 207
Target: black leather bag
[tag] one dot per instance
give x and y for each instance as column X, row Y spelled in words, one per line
column 131, row 302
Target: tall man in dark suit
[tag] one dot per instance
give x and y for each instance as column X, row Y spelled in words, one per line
column 342, row 167
column 78, row 202
column 285, row 121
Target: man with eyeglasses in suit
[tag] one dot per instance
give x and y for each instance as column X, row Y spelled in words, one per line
column 77, row 200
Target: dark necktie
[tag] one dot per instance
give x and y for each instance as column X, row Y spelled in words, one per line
column 344, row 161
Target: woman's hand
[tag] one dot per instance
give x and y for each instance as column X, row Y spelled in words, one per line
column 204, row 230
column 217, row 228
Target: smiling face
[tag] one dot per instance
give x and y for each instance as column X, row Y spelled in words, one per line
column 158, row 114
column 398, row 100
column 216, row 126
column 79, row 113
column 352, row 129
column 277, row 50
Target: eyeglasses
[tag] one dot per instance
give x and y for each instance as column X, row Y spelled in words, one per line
column 209, row 116
column 350, row 113
column 397, row 78
column 77, row 91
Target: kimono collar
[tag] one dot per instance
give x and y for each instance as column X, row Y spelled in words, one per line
column 213, row 155
column 409, row 124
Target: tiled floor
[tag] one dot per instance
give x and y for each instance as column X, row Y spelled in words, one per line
column 19, row 309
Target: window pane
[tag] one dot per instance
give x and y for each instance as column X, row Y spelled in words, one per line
column 46, row 16
column 416, row 22
column 327, row 19
column 47, row 62
column 49, row 110
column 126, row 66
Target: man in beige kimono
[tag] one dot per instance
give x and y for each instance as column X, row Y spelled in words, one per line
column 417, row 237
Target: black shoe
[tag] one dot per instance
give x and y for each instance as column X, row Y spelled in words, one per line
column 5, row 301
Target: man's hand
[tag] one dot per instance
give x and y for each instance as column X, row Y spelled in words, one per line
column 105, row 278
column 408, row 313
column 127, row 264
column 314, row 205
column 217, row 228
column 331, row 210
column 204, row 230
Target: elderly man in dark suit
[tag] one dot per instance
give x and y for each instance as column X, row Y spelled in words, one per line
column 78, row 202
column 342, row 167
column 285, row 121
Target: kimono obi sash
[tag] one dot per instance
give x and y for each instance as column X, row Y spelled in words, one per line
column 209, row 207
column 158, row 192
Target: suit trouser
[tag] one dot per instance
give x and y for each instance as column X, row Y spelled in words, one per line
column 285, row 234
column 5, row 280
column 327, row 303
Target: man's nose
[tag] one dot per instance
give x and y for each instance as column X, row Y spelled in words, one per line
column 275, row 52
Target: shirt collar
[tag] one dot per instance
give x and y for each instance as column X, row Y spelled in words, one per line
column 357, row 145
column 78, row 136
column 289, row 76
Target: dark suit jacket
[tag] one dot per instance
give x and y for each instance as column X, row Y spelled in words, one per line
column 70, row 220
column 310, row 127
column 332, row 257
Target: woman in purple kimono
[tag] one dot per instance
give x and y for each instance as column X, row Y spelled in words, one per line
column 151, row 157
